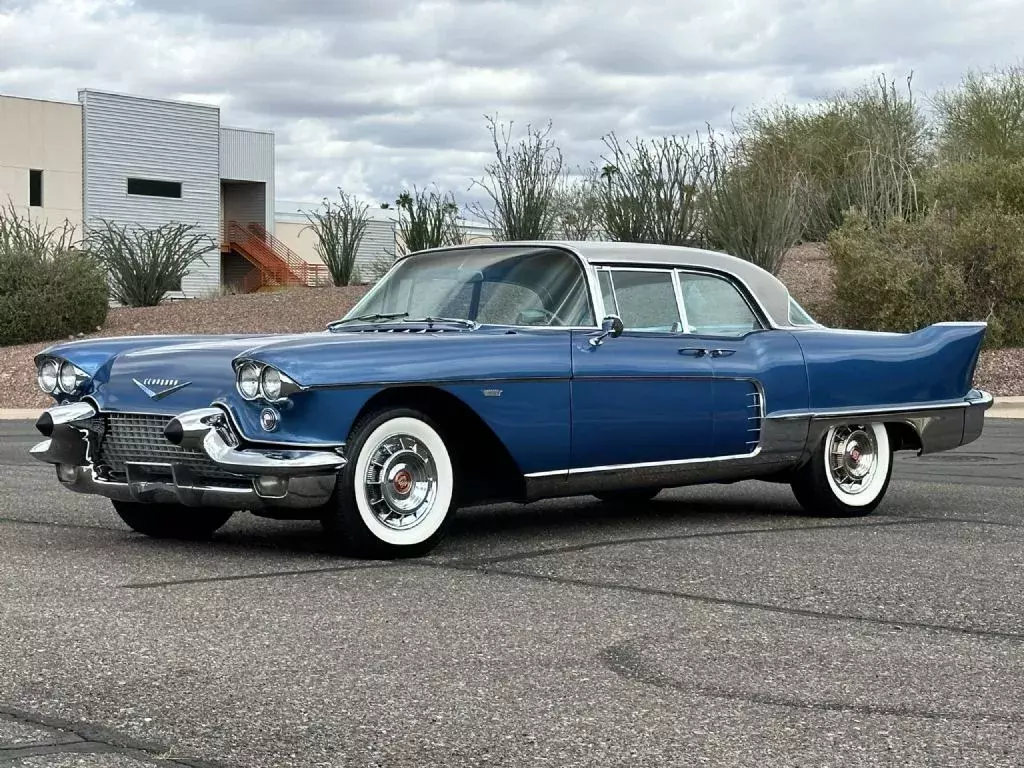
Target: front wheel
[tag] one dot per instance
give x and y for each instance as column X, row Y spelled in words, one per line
column 396, row 496
column 848, row 473
column 171, row 521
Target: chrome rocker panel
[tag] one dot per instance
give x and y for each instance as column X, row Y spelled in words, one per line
column 787, row 441
column 302, row 478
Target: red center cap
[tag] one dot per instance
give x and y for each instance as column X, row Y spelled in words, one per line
column 855, row 454
column 403, row 481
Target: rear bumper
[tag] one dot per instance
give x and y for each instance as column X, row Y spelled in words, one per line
column 939, row 427
column 978, row 401
column 260, row 478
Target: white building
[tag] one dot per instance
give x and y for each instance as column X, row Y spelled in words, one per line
column 147, row 162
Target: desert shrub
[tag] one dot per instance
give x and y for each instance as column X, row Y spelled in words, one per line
column 339, row 228
column 144, row 265
column 862, row 148
column 650, row 189
column 986, row 183
column 49, row 288
column 521, row 184
column 983, row 116
column 754, row 209
column 942, row 266
column 427, row 219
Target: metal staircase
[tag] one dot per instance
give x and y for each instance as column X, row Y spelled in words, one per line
column 275, row 265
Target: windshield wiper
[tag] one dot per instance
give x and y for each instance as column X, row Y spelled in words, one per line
column 430, row 320
column 375, row 317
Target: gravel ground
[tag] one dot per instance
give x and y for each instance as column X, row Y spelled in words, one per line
column 806, row 272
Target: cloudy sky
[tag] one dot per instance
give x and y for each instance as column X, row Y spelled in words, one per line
column 376, row 96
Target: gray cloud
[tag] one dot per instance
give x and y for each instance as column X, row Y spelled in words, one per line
column 375, row 97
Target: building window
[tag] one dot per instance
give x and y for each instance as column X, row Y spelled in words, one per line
column 154, row 188
column 35, row 189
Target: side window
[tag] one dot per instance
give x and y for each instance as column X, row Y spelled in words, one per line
column 646, row 301
column 714, row 306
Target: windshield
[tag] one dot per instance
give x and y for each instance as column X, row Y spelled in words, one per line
column 515, row 285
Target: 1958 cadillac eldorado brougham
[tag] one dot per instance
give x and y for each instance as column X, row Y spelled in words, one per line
column 505, row 372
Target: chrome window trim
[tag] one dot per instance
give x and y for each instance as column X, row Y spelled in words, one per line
column 730, row 280
column 627, row 268
column 591, row 287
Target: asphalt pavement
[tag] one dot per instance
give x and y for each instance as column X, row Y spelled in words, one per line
column 713, row 626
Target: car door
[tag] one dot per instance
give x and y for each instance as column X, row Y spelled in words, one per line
column 750, row 362
column 646, row 395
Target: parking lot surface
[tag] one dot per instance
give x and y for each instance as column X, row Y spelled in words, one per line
column 713, row 626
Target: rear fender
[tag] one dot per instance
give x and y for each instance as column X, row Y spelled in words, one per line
column 861, row 369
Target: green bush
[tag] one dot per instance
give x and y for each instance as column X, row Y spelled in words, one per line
column 858, row 149
column 754, row 209
column 49, row 289
column 988, row 183
column 940, row 267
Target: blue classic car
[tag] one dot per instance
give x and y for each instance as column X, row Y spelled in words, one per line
column 505, row 372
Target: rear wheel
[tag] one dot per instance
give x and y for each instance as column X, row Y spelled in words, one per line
column 628, row 495
column 848, row 473
column 171, row 521
column 397, row 495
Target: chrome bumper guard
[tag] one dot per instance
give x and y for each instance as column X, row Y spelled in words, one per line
column 277, row 478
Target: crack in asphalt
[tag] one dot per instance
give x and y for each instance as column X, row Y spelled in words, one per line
column 248, row 576
column 572, row 548
column 628, row 663
column 77, row 737
column 734, row 603
column 479, row 562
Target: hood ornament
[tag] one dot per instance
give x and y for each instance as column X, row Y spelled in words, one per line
column 168, row 387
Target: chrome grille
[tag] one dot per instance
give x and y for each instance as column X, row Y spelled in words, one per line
column 137, row 438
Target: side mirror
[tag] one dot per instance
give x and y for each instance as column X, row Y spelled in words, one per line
column 610, row 326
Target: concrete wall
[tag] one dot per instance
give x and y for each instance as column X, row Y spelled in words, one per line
column 129, row 137
column 45, row 136
column 378, row 241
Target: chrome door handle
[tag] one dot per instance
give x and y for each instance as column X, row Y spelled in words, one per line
column 693, row 351
column 722, row 352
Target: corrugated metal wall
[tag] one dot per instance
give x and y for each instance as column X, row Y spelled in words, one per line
column 249, row 156
column 126, row 137
column 378, row 243
column 245, row 203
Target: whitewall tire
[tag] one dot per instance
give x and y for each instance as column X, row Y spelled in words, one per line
column 848, row 473
column 396, row 496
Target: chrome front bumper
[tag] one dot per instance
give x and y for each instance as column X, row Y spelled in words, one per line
column 267, row 477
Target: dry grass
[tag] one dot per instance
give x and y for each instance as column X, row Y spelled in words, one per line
column 806, row 271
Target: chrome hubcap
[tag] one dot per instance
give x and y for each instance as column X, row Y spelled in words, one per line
column 853, row 455
column 401, row 482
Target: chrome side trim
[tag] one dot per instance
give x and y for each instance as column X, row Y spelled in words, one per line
column 786, row 442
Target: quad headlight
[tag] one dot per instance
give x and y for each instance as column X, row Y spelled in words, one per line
column 56, row 376
column 257, row 380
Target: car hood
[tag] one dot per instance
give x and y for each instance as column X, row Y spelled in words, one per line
column 172, row 374
column 173, row 377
